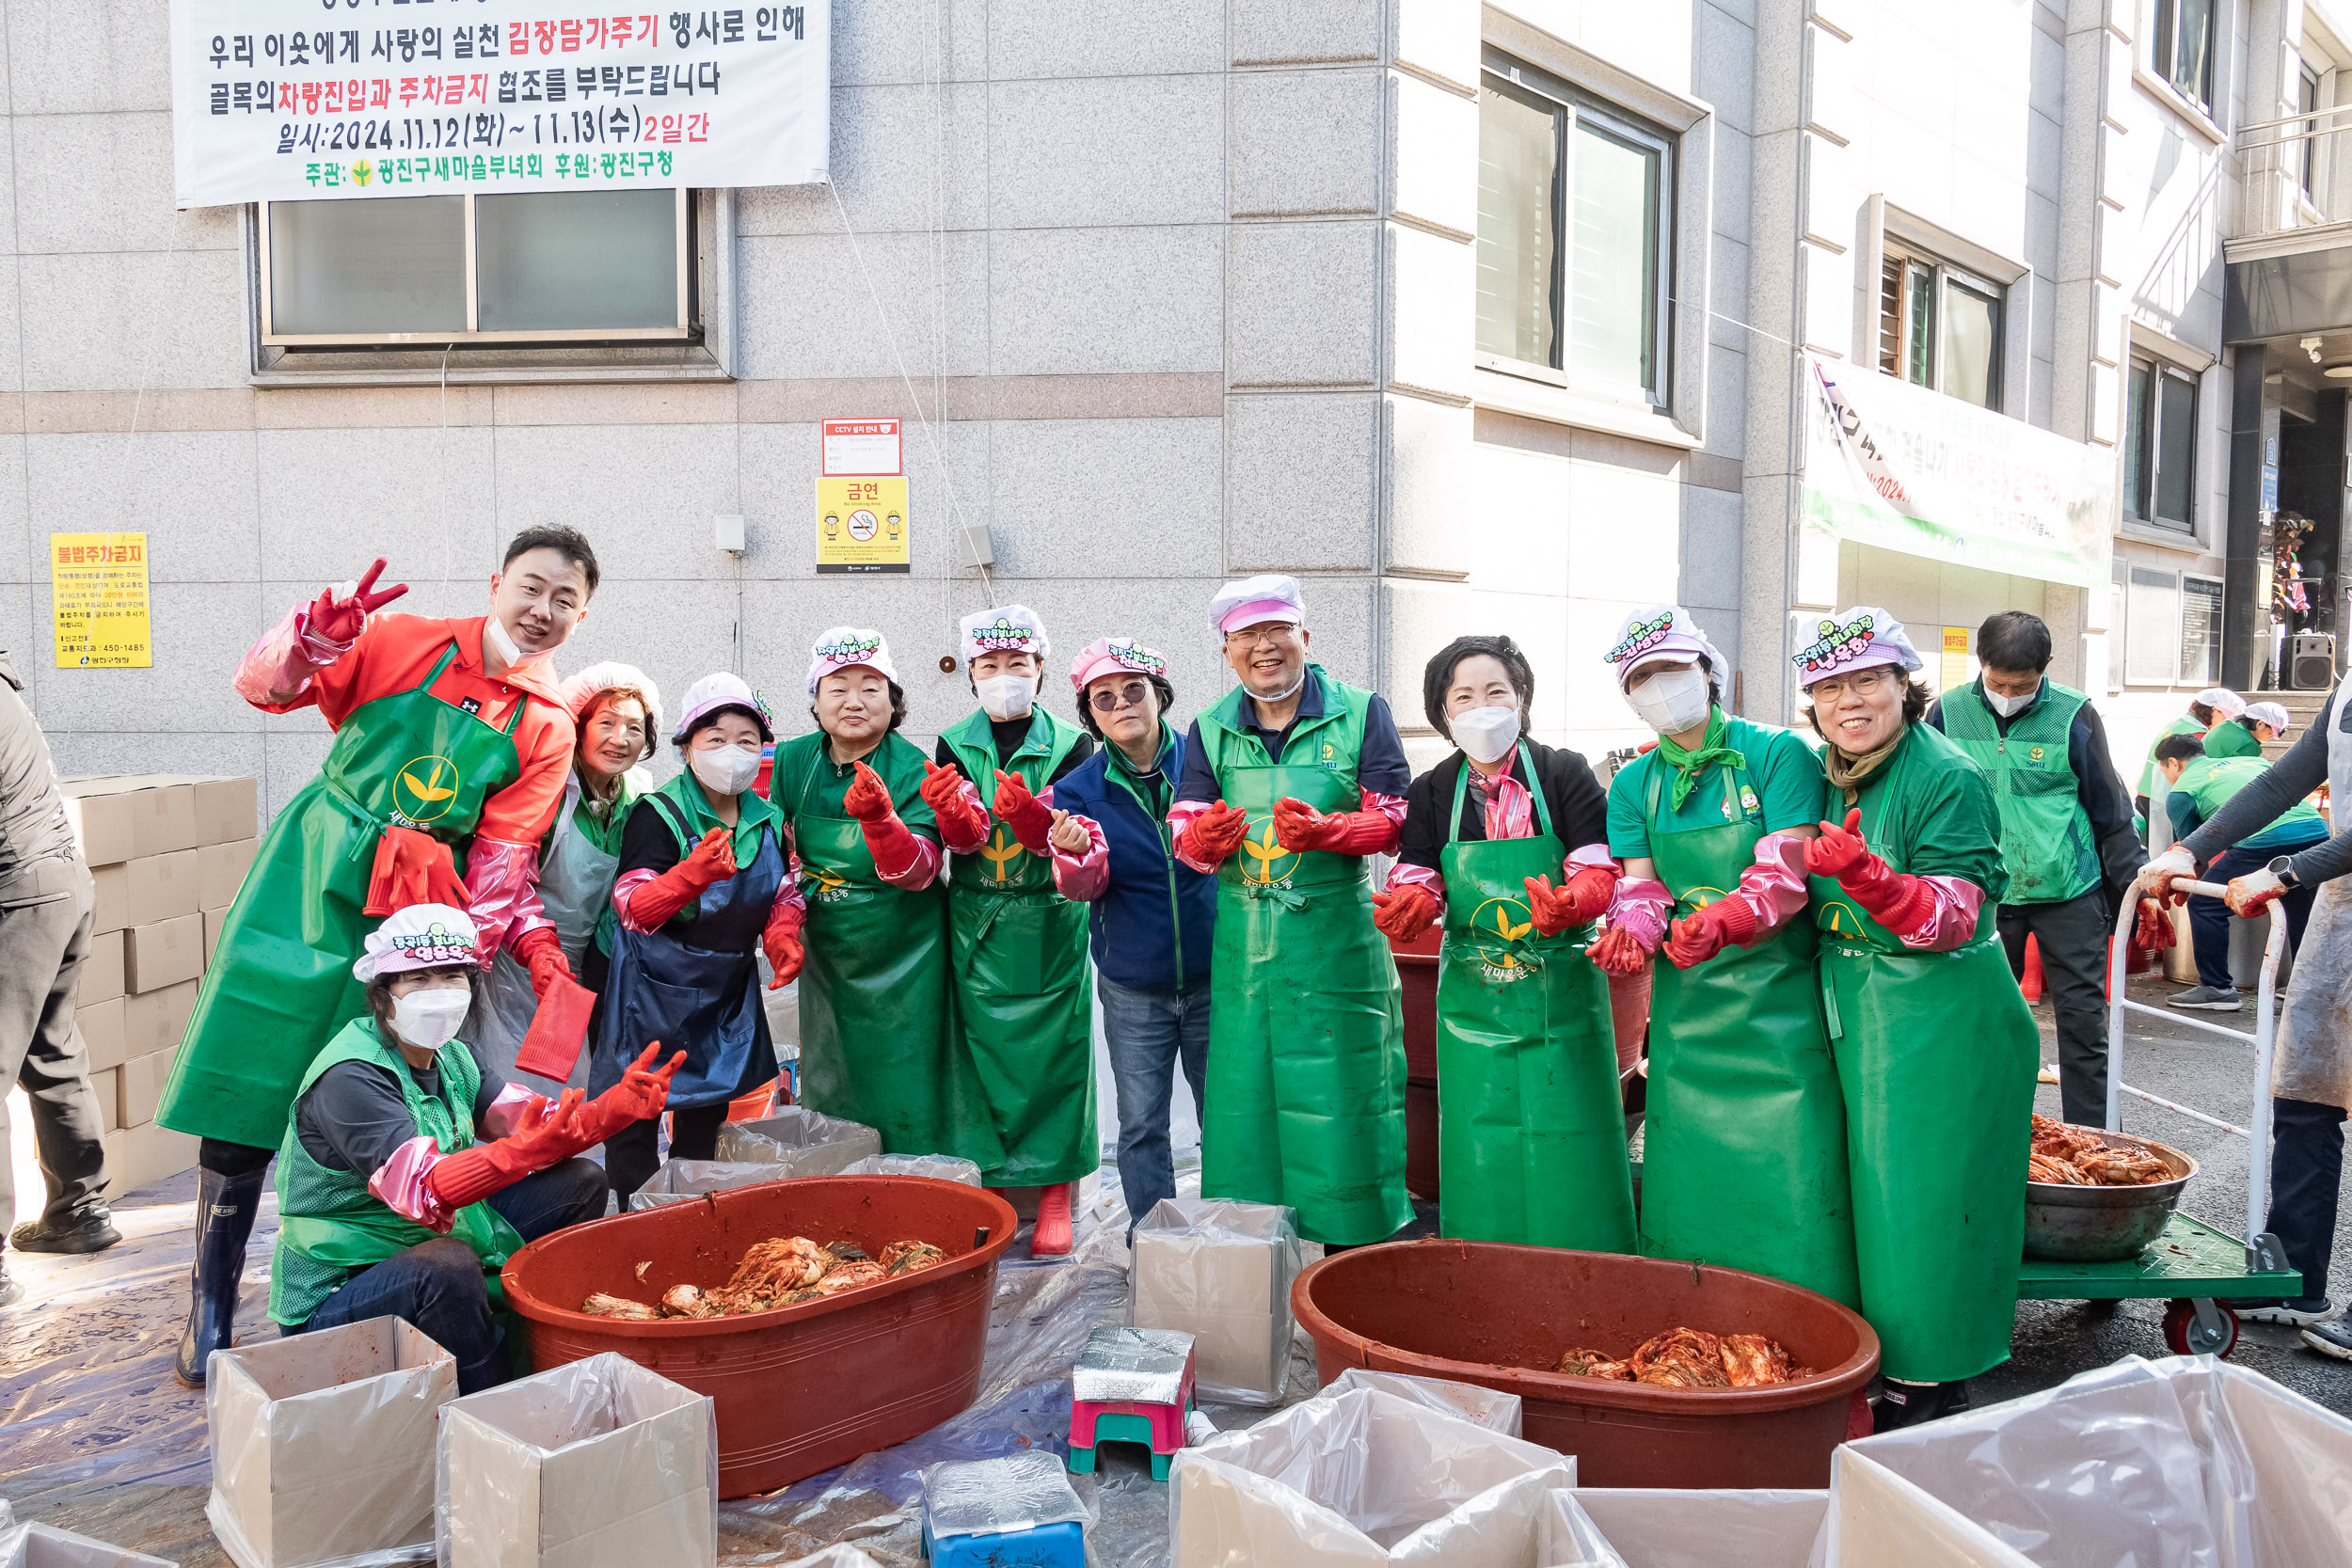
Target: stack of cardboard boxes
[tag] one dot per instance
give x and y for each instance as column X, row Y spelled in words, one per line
column 167, row 852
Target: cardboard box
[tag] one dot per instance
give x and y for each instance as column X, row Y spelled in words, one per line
column 103, row 828
column 107, row 1085
column 164, row 887
column 321, row 1444
column 150, row 1154
column 103, row 1032
column 222, row 869
column 592, row 1463
column 226, row 810
column 112, row 903
column 143, row 1079
column 46, row 1547
column 162, row 819
column 101, row 979
column 154, row 1021
column 162, row 954
column 1222, row 1271
column 214, row 920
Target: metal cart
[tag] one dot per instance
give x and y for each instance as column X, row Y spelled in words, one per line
column 2192, row 1265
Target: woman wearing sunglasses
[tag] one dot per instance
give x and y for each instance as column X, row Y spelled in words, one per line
column 1150, row 916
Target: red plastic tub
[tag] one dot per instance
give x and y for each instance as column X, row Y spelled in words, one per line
column 1487, row 1313
column 803, row 1389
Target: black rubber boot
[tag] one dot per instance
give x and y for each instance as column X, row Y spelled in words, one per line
column 225, row 1206
column 1911, row 1405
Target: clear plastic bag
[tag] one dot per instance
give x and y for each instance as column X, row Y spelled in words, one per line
column 1363, row 1476
column 592, row 1463
column 2184, row 1463
column 1489, row 1407
column 799, row 1139
column 1221, row 1272
column 29, row 1545
column 1667, row 1527
column 992, row 1496
column 835, row 1557
column 322, row 1447
column 683, row 1180
column 1567, row 1537
column 939, row 1167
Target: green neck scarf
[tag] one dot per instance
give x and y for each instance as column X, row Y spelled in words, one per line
column 1688, row 766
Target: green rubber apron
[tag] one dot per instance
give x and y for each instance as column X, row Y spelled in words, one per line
column 280, row 978
column 1304, row 1102
column 1745, row 1148
column 1024, row 993
column 1935, row 1056
column 1531, row 1124
column 877, row 1018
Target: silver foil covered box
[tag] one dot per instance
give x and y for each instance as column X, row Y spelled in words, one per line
column 1145, row 1366
column 994, row 1496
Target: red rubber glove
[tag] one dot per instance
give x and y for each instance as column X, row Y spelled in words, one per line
column 1214, row 834
column 2250, row 894
column 639, row 1096
column 867, row 798
column 549, row 1133
column 710, row 861
column 1617, row 952
column 887, row 840
column 2154, row 933
column 1696, row 939
column 782, row 938
column 1404, row 913
column 1298, row 827
column 543, row 951
column 961, row 821
column 1031, row 820
column 1579, row 898
column 344, row 619
column 1895, row 899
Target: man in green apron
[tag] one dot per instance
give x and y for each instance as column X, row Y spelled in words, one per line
column 410, row 1174
column 1745, row 1148
column 2067, row 840
column 1935, row 1049
column 1289, row 783
column 1024, row 992
column 450, row 736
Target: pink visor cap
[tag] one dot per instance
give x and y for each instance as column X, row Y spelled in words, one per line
column 422, row 936
column 1664, row 631
column 1855, row 639
column 1114, row 655
column 1268, row 597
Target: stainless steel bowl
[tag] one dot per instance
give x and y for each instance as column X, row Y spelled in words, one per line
column 2103, row 1225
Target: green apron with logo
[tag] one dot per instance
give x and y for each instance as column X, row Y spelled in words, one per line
column 1531, row 1124
column 1024, row 993
column 330, row 1227
column 878, row 1022
column 1305, row 1093
column 280, row 976
column 1935, row 1056
column 1743, row 1160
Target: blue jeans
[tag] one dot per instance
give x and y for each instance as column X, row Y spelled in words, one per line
column 1147, row 1034
column 2209, row 918
column 438, row 1285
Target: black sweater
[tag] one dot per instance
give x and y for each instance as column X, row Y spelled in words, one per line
column 1578, row 804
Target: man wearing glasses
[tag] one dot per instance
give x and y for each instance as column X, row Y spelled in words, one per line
column 1288, row 783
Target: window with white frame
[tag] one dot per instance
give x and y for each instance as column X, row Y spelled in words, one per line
column 2307, row 99
column 1575, row 203
column 552, row 266
column 2183, row 48
column 1940, row 326
column 2160, row 447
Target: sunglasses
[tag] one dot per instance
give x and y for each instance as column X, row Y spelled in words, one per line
column 1129, row 695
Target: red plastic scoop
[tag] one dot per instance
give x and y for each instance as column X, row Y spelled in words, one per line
column 558, row 1029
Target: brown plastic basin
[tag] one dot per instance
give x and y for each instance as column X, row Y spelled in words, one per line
column 802, row 1388
column 1487, row 1313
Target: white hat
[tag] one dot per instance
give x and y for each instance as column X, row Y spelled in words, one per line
column 583, row 688
column 1661, row 633
column 843, row 646
column 1269, row 597
column 422, row 936
column 2225, row 702
column 2273, row 714
column 1855, row 639
column 1013, row 628
column 723, row 689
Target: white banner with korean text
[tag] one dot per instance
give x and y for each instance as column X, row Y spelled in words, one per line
column 299, row 100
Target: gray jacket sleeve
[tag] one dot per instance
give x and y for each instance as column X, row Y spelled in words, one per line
column 2262, row 802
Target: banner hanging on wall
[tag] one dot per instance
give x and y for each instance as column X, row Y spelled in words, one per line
column 1907, row 469
column 299, row 100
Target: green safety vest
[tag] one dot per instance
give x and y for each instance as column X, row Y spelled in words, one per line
column 2046, row 843
column 2230, row 739
column 2211, row 781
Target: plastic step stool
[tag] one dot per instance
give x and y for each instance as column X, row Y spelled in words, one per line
column 1059, row 1546
column 1160, row 1428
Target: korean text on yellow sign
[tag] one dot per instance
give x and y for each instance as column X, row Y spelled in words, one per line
column 863, row 525
column 98, row 601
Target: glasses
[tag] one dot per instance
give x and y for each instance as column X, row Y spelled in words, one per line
column 1274, row 634
column 1862, row 683
column 1129, row 695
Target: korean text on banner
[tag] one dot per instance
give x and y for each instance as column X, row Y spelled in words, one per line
column 863, row 525
column 98, row 601
column 1907, row 469
column 285, row 101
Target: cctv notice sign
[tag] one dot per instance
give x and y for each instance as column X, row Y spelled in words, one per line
column 862, row 519
column 303, row 100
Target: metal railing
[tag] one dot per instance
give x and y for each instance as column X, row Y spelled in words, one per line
column 2298, row 172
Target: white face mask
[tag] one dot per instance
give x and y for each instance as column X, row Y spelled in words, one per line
column 1006, row 696
column 1670, row 701
column 427, row 1018
column 503, row 640
column 2010, row 708
column 1487, row 734
column 725, row 769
